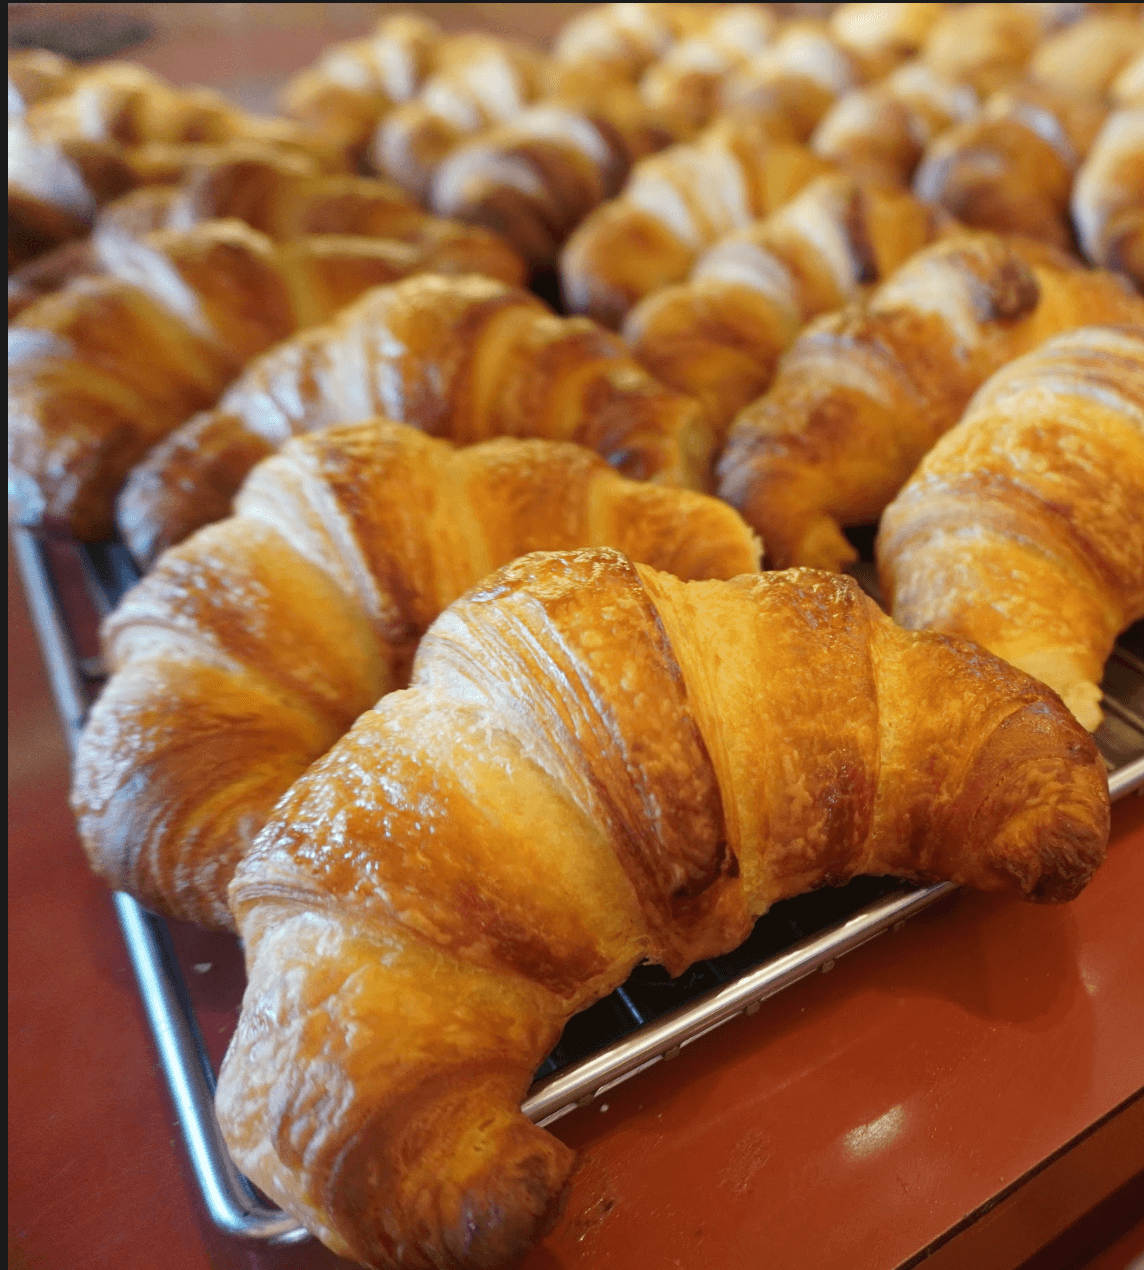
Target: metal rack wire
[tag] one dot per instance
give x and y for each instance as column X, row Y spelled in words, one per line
column 648, row 1020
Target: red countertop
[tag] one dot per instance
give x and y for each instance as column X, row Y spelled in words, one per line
column 980, row 1071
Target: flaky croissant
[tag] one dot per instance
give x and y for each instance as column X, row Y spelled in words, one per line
column 468, row 358
column 1023, row 528
column 718, row 336
column 884, row 128
column 985, row 45
column 1011, row 169
column 1085, row 58
column 263, row 637
column 595, row 765
column 117, row 126
column 282, row 195
column 676, row 204
column 105, row 367
column 1108, row 196
column 862, row 394
column 354, row 84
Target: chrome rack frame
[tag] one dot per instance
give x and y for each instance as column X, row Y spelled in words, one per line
column 229, row 1198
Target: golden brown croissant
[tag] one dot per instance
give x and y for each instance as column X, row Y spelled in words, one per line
column 985, row 45
column 266, row 635
column 862, row 394
column 795, row 79
column 718, row 336
column 882, row 36
column 1011, row 169
column 101, row 370
column 883, row 129
column 479, row 81
column 623, row 40
column 354, row 84
column 535, row 178
column 1108, row 196
column 115, row 127
column 595, row 765
column 1085, row 58
column 1023, row 528
column 683, row 86
column 674, row 205
column 468, row 358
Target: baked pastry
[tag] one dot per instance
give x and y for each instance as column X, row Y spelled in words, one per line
column 862, row 394
column 1127, row 89
column 1108, row 196
column 267, row 634
column 883, row 36
column 468, row 358
column 102, row 369
column 718, row 336
column 354, row 84
column 1011, row 169
column 674, row 205
column 1085, row 58
column 1022, row 528
column 478, row 81
column 115, row 127
column 282, row 195
column 883, row 129
column 616, row 767
column 683, row 85
column 987, row 46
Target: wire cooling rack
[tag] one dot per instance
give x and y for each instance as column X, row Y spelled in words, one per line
column 70, row 587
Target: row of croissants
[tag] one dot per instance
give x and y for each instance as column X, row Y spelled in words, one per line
column 486, row 648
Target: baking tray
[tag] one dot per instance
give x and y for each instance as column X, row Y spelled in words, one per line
column 70, row 587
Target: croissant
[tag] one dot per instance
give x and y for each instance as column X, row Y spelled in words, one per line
column 346, row 546
column 795, row 79
column 718, row 336
column 1084, row 59
column 683, row 85
column 987, row 46
column 467, row 357
column 354, row 84
column 71, row 153
column 534, row 179
column 1108, row 196
column 1022, row 528
column 884, row 129
column 1011, row 169
column 623, row 40
column 862, row 394
column 101, row 370
column 595, row 765
column 674, row 205
column 282, row 195
column 479, row 81
column 883, row 36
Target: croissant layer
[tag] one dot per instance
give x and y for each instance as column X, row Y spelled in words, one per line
column 249, row 649
column 1022, row 528
column 594, row 764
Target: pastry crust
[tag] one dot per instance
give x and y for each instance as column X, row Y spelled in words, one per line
column 252, row 647
column 1022, row 528
column 467, row 357
column 862, row 394
column 595, row 764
